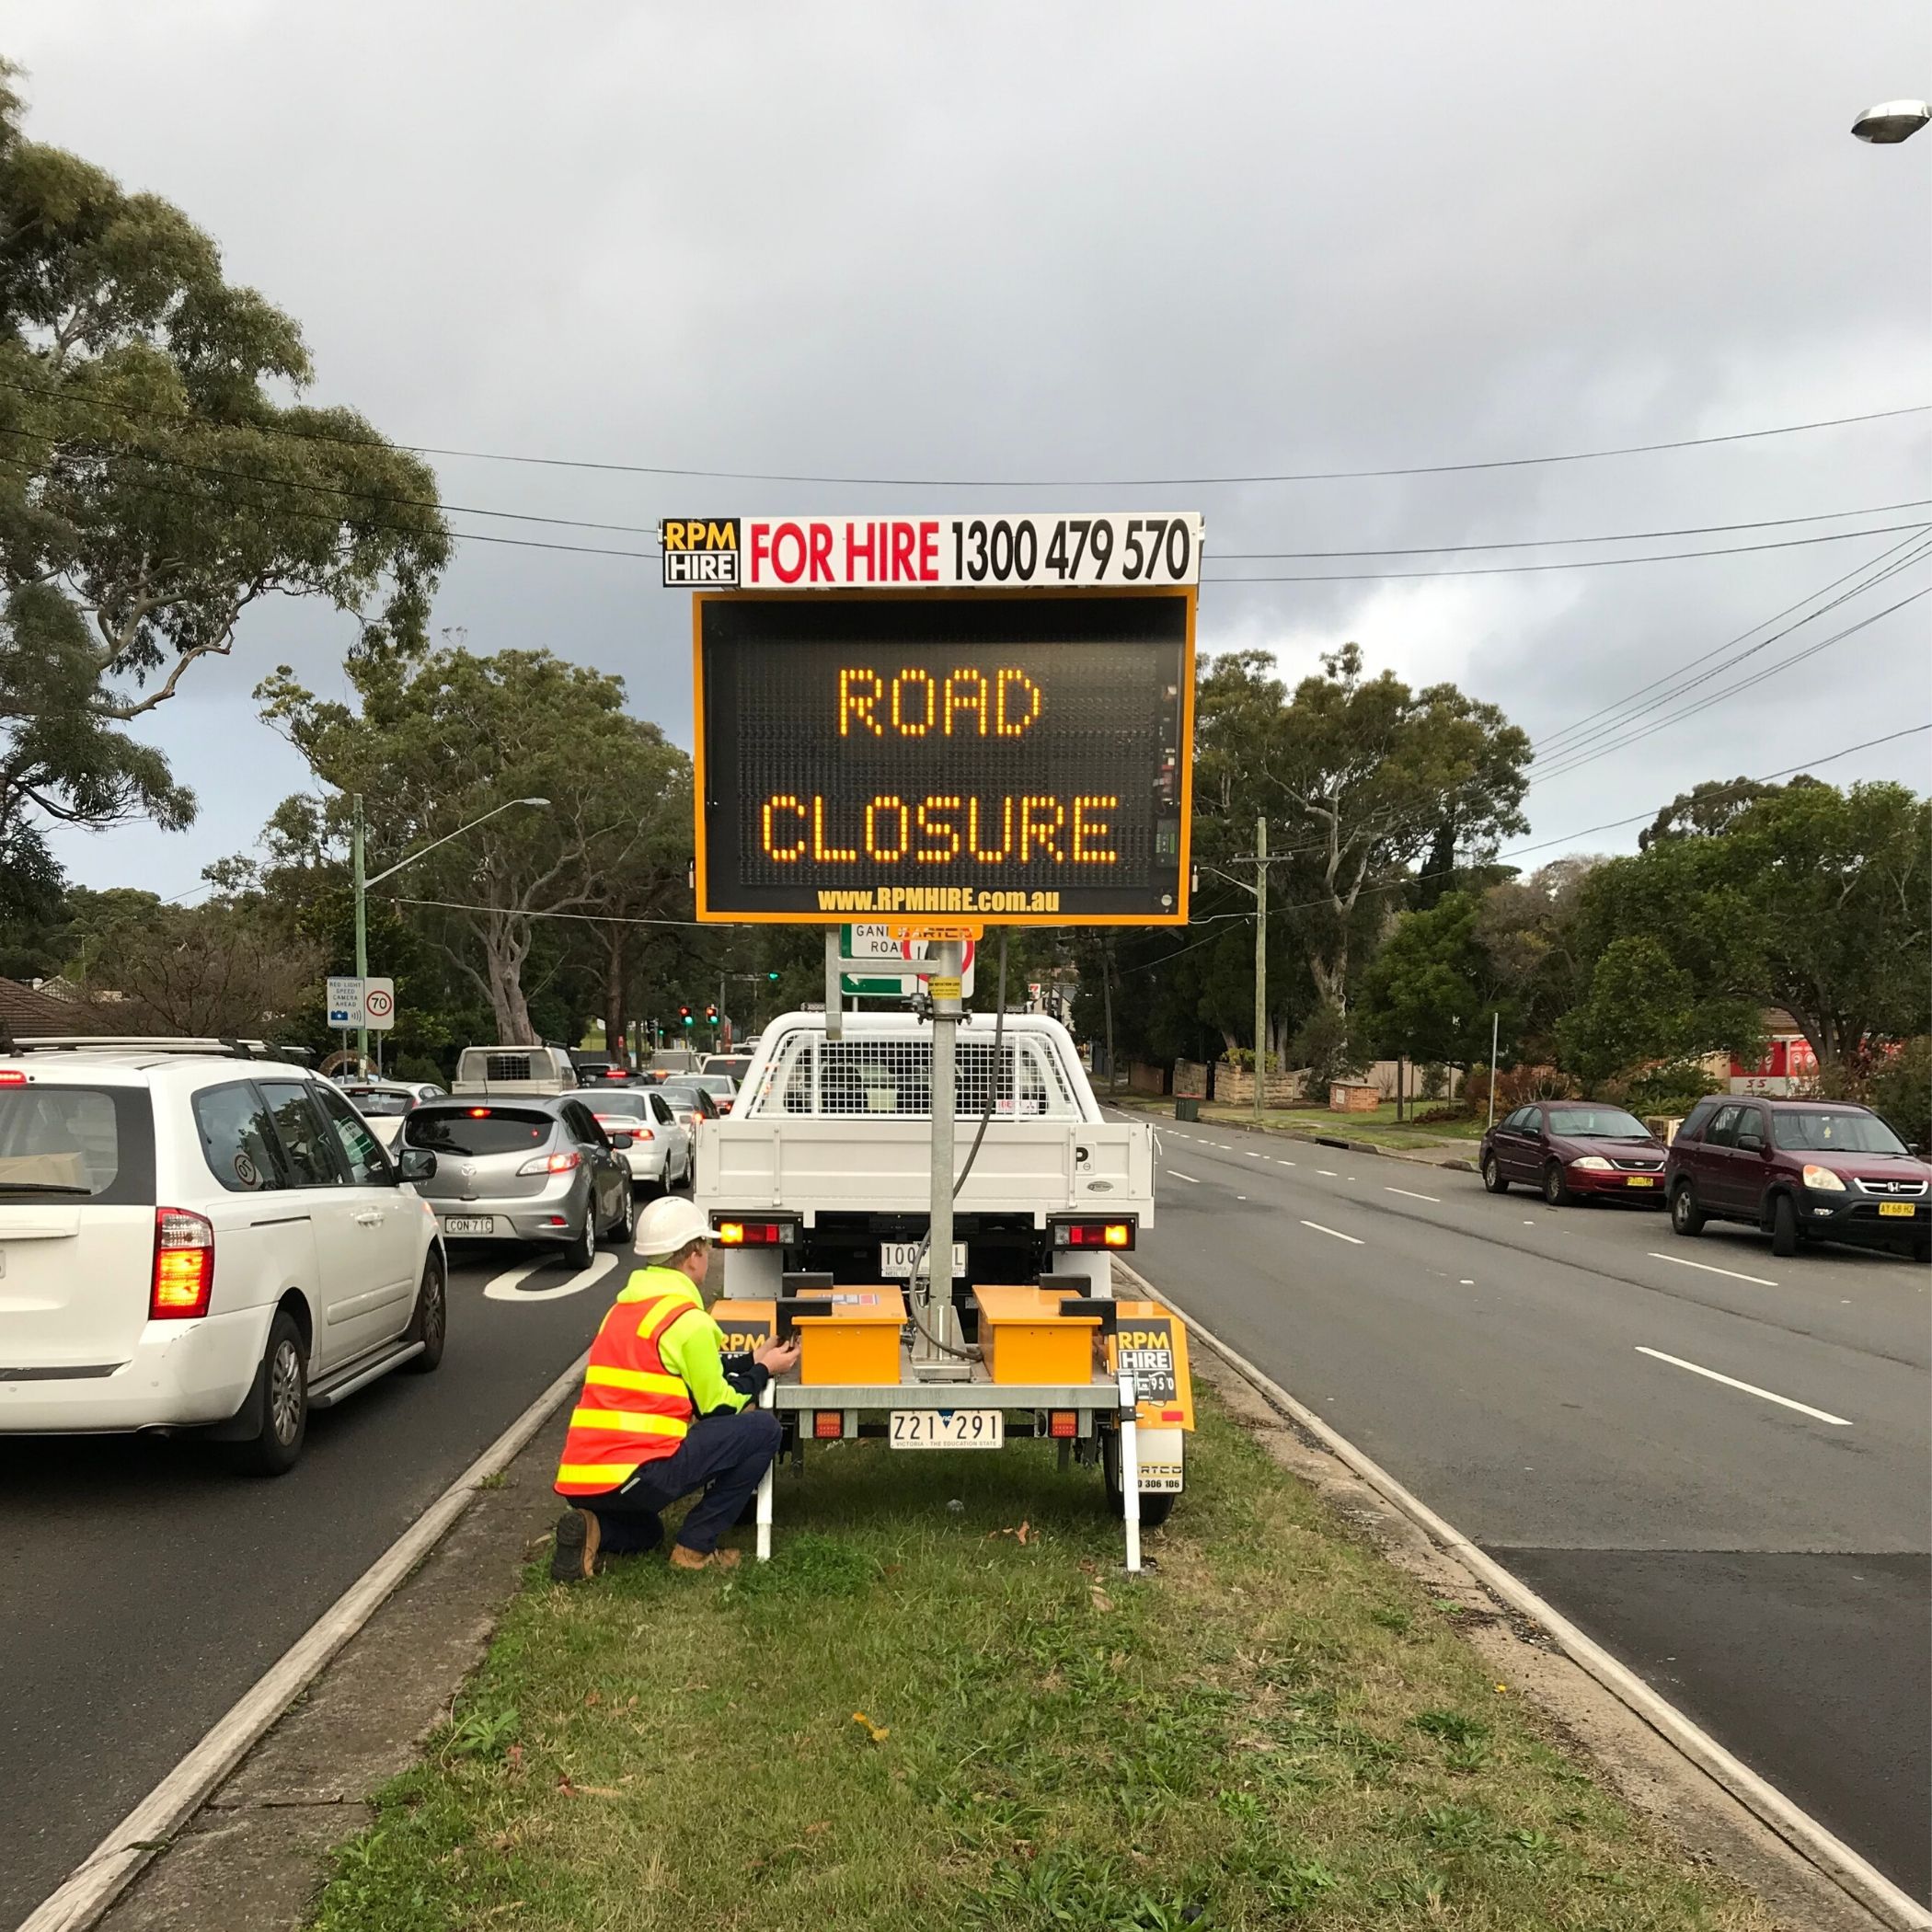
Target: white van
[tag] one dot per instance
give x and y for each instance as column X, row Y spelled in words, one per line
column 514, row 1070
column 198, row 1235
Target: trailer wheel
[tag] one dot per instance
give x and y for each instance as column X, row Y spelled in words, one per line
column 1154, row 1509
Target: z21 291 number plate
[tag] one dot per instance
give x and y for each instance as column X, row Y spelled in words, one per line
column 948, row 1429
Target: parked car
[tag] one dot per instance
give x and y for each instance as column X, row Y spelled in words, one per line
column 1572, row 1149
column 659, row 1154
column 1801, row 1171
column 199, row 1235
column 535, row 1169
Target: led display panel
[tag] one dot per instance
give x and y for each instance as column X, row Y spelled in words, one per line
column 1015, row 758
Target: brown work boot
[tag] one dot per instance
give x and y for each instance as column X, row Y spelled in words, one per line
column 683, row 1558
column 573, row 1555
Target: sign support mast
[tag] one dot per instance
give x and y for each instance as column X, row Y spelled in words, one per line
column 948, row 957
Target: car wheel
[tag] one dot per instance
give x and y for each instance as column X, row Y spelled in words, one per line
column 581, row 1249
column 1784, row 1226
column 1686, row 1216
column 1154, row 1509
column 276, row 1449
column 431, row 1321
column 1556, row 1188
column 1493, row 1177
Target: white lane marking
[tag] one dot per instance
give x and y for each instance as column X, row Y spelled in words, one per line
column 1240, row 1197
column 1328, row 1171
column 1750, row 1388
column 509, row 1285
column 1179, row 1176
column 1756, row 1279
column 1352, row 1240
column 1252, row 1154
column 1411, row 1194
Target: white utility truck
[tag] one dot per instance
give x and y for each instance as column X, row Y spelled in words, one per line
column 820, row 1182
column 835, row 1135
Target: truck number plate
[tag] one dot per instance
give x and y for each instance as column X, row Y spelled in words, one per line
column 948, row 1429
column 895, row 1260
column 468, row 1223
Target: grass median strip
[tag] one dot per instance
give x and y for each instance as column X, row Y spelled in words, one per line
column 944, row 1703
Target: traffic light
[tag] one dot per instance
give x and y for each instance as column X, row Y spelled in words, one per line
column 685, row 1014
column 771, row 975
column 710, row 1012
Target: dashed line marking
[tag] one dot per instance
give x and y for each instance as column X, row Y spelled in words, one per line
column 1329, row 1172
column 1756, row 1280
column 1750, row 1388
column 1179, row 1176
column 1354, row 1240
column 1413, row 1195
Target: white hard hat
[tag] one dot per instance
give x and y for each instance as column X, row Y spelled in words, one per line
column 668, row 1225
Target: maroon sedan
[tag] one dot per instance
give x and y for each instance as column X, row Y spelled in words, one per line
column 1574, row 1148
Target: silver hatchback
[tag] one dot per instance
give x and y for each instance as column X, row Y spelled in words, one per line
column 526, row 1170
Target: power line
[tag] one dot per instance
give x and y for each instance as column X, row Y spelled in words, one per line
column 1544, row 543
column 1549, row 742
column 1575, row 563
column 754, row 476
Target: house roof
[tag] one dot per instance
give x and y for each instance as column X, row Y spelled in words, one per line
column 24, row 1012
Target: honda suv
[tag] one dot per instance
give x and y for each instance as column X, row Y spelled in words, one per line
column 196, row 1235
column 1801, row 1170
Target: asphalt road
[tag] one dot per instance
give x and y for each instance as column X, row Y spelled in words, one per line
column 1762, row 1562
column 144, row 1587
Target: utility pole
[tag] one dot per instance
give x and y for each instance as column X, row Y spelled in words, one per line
column 1260, row 964
column 361, row 931
column 1495, row 1022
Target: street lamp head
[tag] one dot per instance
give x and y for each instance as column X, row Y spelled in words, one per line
column 1891, row 121
column 533, row 801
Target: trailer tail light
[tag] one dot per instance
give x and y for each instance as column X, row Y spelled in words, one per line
column 752, row 1233
column 828, row 1424
column 183, row 1278
column 1094, row 1233
column 552, row 1163
column 1062, row 1421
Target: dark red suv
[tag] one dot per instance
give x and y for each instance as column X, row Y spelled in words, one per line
column 1825, row 1170
column 1573, row 1147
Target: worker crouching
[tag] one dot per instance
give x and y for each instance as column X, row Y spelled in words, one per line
column 662, row 1415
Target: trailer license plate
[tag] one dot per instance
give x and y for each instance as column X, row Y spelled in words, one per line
column 895, row 1260
column 468, row 1223
column 948, row 1429
column 1903, row 1210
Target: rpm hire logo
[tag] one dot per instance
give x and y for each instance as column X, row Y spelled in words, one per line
column 700, row 551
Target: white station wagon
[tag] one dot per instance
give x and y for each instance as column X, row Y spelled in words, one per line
column 195, row 1234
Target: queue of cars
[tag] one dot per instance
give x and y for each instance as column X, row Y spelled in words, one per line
column 1797, row 1169
column 207, row 1237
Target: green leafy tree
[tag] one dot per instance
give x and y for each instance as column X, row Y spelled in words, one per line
column 1432, row 989
column 435, row 743
column 153, row 489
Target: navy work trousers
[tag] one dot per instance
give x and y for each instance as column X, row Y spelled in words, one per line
column 724, row 1455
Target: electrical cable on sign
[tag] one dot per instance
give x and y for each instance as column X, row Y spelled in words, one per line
column 972, row 1153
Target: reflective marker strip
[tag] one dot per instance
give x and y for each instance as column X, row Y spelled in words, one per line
column 642, row 1380
column 627, row 1422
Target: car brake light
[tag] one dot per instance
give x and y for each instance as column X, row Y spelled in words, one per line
column 551, row 1163
column 12, row 1077
column 479, row 1113
column 1093, row 1234
column 623, row 1123
column 183, row 1277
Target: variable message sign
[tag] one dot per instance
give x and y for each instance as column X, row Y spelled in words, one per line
column 1020, row 757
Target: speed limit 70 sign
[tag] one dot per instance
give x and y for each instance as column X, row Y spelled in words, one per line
column 379, row 1005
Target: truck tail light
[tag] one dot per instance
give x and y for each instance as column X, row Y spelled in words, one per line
column 1093, row 1234
column 827, row 1424
column 552, row 1163
column 752, row 1233
column 1062, row 1421
column 183, row 1279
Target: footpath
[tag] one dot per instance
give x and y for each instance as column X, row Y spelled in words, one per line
column 1318, row 1129
column 944, row 1703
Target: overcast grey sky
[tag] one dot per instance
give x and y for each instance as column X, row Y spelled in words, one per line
column 1032, row 241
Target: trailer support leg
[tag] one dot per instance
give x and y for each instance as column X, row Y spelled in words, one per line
column 1131, row 1473
column 764, row 1505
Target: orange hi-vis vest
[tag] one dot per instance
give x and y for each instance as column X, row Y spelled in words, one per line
column 634, row 1408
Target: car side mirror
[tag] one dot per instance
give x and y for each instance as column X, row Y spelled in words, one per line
column 416, row 1163
column 1751, row 1142
column 622, row 1141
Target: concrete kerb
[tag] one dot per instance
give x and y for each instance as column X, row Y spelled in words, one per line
column 1854, row 1879
column 100, row 1878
